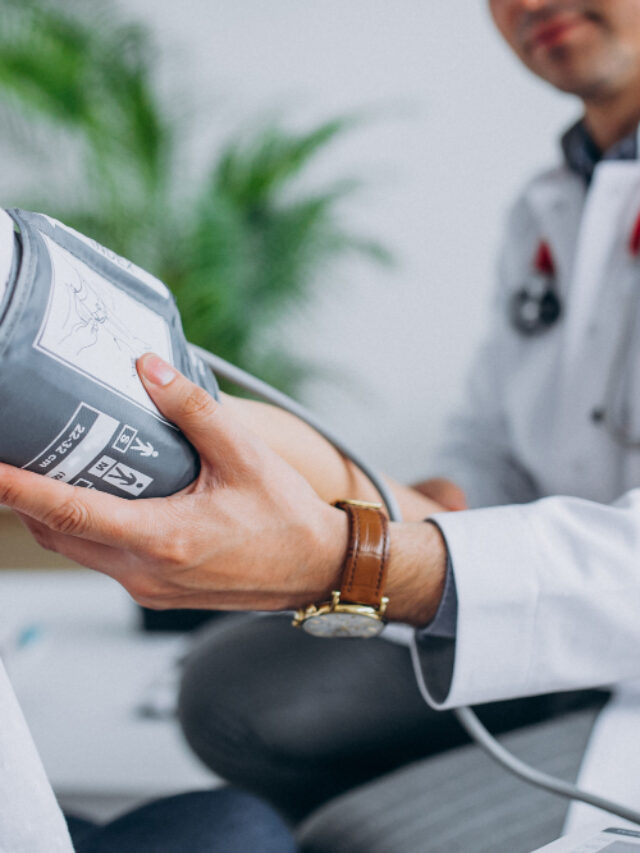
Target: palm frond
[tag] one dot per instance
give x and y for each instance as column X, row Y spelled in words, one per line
column 239, row 247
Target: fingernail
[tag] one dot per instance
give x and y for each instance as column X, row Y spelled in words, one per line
column 157, row 371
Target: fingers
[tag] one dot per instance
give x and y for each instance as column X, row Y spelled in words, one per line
column 85, row 513
column 143, row 585
column 444, row 492
column 94, row 555
column 218, row 439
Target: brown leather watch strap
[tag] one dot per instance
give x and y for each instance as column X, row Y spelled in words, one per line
column 365, row 566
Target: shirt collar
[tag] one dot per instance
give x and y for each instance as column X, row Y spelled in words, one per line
column 582, row 155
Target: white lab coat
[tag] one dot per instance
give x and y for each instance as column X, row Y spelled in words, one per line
column 548, row 577
column 30, row 818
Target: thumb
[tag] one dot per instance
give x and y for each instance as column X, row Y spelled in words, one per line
column 219, row 440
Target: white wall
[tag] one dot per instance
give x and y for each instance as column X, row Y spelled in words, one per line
column 459, row 127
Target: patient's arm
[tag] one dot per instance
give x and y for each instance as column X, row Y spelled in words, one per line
column 249, row 533
column 332, row 476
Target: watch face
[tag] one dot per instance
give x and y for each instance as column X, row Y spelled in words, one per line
column 343, row 625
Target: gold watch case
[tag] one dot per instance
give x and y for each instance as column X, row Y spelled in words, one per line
column 334, row 619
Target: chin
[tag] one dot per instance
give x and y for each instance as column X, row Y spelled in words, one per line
column 577, row 73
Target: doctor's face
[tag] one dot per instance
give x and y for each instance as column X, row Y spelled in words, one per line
column 590, row 48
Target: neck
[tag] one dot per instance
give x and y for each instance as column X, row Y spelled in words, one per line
column 611, row 120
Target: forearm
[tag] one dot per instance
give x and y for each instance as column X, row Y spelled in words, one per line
column 331, row 475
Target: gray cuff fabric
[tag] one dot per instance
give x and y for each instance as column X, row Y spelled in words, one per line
column 437, row 640
column 445, row 621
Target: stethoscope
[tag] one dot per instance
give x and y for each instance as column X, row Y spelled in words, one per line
column 537, row 307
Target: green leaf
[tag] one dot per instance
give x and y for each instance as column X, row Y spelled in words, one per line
column 239, row 245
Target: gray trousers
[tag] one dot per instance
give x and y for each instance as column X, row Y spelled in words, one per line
column 301, row 721
column 459, row 802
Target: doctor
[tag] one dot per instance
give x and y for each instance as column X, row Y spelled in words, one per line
column 539, row 592
column 552, row 408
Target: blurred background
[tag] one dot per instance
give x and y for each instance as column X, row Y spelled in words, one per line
column 323, row 186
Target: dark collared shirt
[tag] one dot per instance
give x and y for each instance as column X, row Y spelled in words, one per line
column 582, row 155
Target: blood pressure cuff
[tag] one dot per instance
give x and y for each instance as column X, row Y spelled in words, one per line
column 73, row 320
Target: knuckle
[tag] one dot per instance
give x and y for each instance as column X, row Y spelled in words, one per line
column 148, row 591
column 153, row 551
column 69, row 517
column 170, row 549
column 142, row 588
column 9, row 494
column 198, row 403
column 43, row 539
column 177, row 552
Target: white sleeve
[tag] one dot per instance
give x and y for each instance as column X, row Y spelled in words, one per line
column 476, row 452
column 548, row 597
column 6, row 250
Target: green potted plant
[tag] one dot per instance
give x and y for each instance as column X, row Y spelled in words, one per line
column 238, row 245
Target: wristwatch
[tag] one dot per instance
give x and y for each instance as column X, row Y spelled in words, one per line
column 357, row 609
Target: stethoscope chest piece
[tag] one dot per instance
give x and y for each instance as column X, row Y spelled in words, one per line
column 536, row 307
column 532, row 313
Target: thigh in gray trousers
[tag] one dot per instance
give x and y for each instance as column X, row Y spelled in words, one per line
column 299, row 720
column 459, row 802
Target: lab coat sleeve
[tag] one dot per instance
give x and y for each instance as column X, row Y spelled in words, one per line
column 437, row 640
column 476, row 452
column 548, row 597
column 30, row 818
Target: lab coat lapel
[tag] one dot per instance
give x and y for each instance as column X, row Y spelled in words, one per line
column 556, row 201
column 602, row 246
column 590, row 259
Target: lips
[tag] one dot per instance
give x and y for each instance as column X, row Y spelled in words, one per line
column 552, row 32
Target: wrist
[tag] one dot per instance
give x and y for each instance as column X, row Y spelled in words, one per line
column 417, row 572
column 327, row 540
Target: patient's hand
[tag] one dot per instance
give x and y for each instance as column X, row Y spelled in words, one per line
column 249, row 533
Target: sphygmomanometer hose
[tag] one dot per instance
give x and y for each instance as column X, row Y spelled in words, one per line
column 466, row 717
column 261, row 389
